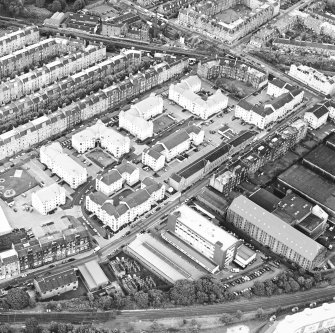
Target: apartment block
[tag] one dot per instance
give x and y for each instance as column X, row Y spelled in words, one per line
column 172, row 146
column 201, row 17
column 316, row 116
column 188, row 230
column 313, row 78
column 185, row 94
column 18, row 39
column 270, row 230
column 233, row 69
column 114, row 179
column 25, row 136
column 56, row 70
column 63, row 165
column 53, row 241
column 270, row 112
column 128, row 208
column 108, row 138
column 48, row 198
column 136, row 119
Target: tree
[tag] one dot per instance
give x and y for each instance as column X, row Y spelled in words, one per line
column 260, row 313
column 317, row 276
column 259, row 288
column 301, row 281
column 5, row 328
column 32, row 325
column 226, row 318
column 17, row 298
column 56, row 6
column 142, row 300
column 308, row 283
column 78, row 4
column 239, row 314
column 90, row 297
column 183, row 293
column 40, row 3
column 32, row 302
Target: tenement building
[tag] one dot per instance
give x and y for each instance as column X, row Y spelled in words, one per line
column 270, row 230
column 202, row 17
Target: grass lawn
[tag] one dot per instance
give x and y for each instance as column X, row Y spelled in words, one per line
column 162, row 123
column 100, row 158
column 15, row 182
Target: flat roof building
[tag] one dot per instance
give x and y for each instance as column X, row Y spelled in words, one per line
column 244, row 256
column 162, row 260
column 310, row 185
column 93, row 275
column 270, row 230
column 203, row 236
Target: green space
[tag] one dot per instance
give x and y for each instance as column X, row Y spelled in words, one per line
column 14, row 182
column 100, row 158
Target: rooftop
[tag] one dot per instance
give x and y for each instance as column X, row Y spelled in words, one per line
column 163, row 259
column 323, row 157
column 265, row 199
column 55, row 281
column 93, row 274
column 49, row 193
column 204, row 228
column 311, row 185
column 276, row 228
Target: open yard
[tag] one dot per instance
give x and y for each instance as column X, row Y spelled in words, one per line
column 100, row 158
column 15, row 182
column 233, row 14
column 162, row 123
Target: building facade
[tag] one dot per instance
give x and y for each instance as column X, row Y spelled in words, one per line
column 270, row 230
column 9, row 264
column 313, row 78
column 203, row 236
column 63, row 165
column 48, row 198
column 56, row 284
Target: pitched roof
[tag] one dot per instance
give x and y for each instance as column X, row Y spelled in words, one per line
column 59, row 280
column 110, row 177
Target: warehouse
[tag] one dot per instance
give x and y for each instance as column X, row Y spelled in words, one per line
column 162, row 260
column 93, row 276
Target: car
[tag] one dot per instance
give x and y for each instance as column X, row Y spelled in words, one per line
column 71, row 259
column 51, row 266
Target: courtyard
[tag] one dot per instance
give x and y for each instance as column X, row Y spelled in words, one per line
column 162, row 123
column 233, row 14
column 14, row 182
column 100, row 158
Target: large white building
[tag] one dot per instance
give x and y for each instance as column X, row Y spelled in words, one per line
column 313, row 78
column 115, row 215
column 317, row 115
column 172, row 146
column 116, row 143
column 320, row 319
column 185, row 94
column 114, row 179
column 287, row 98
column 63, row 165
column 187, row 230
column 48, row 198
column 136, row 119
